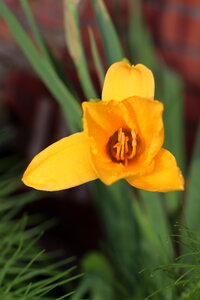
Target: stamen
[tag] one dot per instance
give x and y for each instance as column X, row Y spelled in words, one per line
column 126, row 144
column 124, row 148
column 122, row 145
column 134, row 144
column 118, row 147
column 119, row 134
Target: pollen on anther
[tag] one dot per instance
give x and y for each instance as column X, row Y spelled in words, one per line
column 122, row 145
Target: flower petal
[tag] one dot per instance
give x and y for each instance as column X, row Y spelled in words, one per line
column 101, row 120
column 110, row 172
column 147, row 115
column 123, row 80
column 165, row 177
column 62, row 165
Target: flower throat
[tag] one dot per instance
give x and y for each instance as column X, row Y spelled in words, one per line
column 122, row 145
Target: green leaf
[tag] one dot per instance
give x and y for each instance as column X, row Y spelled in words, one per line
column 68, row 103
column 170, row 92
column 192, row 204
column 99, row 277
column 114, row 204
column 34, row 27
column 83, row 288
column 44, row 49
column 96, row 58
column 110, row 39
column 140, row 40
column 95, row 262
column 157, row 220
column 75, row 47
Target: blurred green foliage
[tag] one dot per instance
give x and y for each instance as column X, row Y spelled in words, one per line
column 27, row 272
column 138, row 256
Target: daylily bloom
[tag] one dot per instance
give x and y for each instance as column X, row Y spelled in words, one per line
column 122, row 138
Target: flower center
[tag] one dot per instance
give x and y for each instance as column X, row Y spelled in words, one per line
column 122, row 145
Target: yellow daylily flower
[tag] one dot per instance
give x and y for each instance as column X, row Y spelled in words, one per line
column 122, row 139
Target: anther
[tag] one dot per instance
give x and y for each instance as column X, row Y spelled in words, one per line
column 123, row 145
column 134, row 144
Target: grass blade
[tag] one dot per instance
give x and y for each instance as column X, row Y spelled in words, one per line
column 192, row 205
column 140, row 41
column 170, row 91
column 156, row 216
column 34, row 27
column 96, row 58
column 74, row 43
column 45, row 50
column 112, row 46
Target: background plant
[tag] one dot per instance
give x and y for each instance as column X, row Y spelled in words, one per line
column 26, row 270
column 138, row 226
